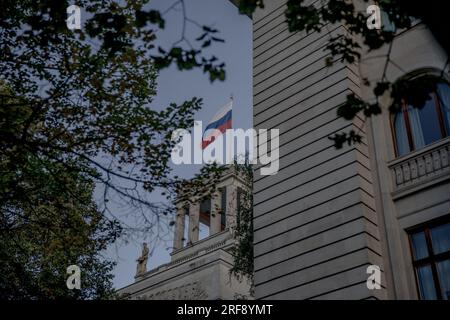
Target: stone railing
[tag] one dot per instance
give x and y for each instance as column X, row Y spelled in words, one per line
column 422, row 168
column 199, row 248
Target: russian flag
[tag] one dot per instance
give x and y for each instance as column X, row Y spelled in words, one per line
column 218, row 125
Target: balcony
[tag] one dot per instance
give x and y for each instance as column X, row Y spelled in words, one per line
column 421, row 169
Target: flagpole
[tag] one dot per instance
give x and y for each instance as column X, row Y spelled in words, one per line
column 230, row 143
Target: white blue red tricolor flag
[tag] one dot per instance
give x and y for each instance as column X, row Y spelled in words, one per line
column 218, row 125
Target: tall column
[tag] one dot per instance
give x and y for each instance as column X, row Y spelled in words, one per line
column 194, row 220
column 179, row 228
column 216, row 213
column 231, row 206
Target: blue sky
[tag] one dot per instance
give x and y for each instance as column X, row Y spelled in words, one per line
column 176, row 86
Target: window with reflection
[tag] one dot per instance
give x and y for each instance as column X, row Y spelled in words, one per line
column 431, row 260
column 415, row 128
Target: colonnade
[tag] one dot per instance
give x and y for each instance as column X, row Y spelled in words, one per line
column 216, row 213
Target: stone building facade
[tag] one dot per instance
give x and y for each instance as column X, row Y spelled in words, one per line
column 201, row 260
column 329, row 214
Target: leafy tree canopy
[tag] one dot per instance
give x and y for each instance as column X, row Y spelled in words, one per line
column 76, row 112
column 85, row 95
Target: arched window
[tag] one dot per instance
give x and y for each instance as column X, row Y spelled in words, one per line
column 415, row 128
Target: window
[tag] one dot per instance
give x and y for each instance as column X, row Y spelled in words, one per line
column 431, row 260
column 415, row 128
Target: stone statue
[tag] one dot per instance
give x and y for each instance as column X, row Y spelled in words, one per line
column 142, row 261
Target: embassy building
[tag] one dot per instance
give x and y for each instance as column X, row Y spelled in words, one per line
column 329, row 214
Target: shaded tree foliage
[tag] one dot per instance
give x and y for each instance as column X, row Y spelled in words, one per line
column 42, row 236
column 48, row 221
column 45, row 228
column 242, row 252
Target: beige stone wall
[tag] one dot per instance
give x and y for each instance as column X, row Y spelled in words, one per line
column 316, row 227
